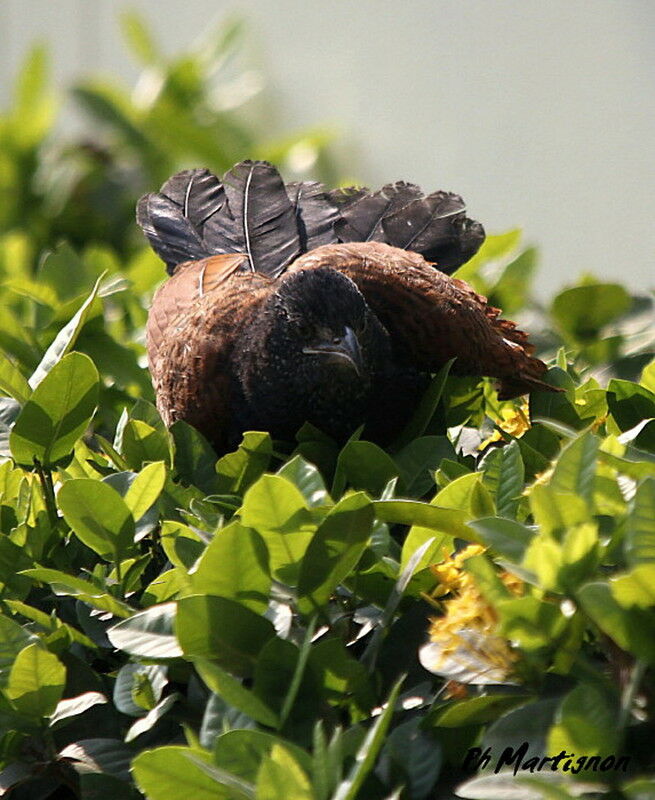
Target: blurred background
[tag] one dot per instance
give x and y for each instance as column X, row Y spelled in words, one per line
column 540, row 114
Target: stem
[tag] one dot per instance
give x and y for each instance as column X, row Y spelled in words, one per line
column 47, row 486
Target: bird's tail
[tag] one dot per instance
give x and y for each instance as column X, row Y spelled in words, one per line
column 252, row 211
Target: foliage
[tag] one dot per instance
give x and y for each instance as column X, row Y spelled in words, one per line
column 288, row 620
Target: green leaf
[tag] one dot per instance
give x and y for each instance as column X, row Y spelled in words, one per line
column 240, row 752
column 194, row 458
column 276, row 509
column 34, row 103
column 419, row 460
column 182, row 545
column 504, row 475
column 416, row 538
column 647, row 379
column 343, row 678
column 363, row 465
column 233, row 692
column 475, row 710
column 75, row 706
column 235, row 565
column 467, row 494
column 636, row 588
column 221, row 629
column 632, row 629
column 36, row 682
column 495, row 248
column 308, row 479
column 153, row 716
column 139, row 38
column 583, row 310
column 368, row 752
column 576, row 467
column 64, row 341
column 13, row 382
column 65, row 272
column 148, row 634
column 640, row 525
column 238, row 470
column 99, row 516
column 631, row 404
column 512, row 289
column 167, row 773
column 138, row 688
column 422, row 417
column 556, row 511
column 87, row 592
column 13, row 638
column 414, row 755
column 334, row 550
column 142, row 444
column 280, row 775
column 504, row 536
column 145, row 489
column 425, row 515
column 57, row 413
column 586, row 723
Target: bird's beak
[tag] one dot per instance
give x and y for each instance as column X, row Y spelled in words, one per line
column 343, row 348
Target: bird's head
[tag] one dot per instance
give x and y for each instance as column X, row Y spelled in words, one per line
column 325, row 322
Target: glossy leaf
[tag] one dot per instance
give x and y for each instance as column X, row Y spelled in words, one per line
column 57, row 413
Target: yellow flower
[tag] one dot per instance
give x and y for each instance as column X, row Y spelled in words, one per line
column 464, row 645
column 513, row 420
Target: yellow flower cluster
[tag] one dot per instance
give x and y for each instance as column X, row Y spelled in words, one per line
column 463, row 643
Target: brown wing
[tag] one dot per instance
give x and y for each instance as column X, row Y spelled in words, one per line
column 192, row 326
column 432, row 318
column 183, row 289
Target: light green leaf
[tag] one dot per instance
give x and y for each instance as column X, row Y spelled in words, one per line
column 640, row 525
column 145, row 489
column 65, row 340
column 280, row 775
column 87, row 592
column 99, row 516
column 235, row 565
column 276, row 509
column 167, row 773
column 12, row 381
column 57, row 413
column 36, row 682
column 425, row 515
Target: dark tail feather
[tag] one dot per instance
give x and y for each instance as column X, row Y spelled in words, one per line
column 252, row 211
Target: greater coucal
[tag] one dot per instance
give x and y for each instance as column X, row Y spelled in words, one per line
column 292, row 303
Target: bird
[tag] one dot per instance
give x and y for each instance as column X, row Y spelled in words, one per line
column 291, row 303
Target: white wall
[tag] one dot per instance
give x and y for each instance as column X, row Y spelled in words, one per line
column 540, row 113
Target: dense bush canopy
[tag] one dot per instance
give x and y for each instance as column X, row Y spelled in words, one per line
column 298, row 619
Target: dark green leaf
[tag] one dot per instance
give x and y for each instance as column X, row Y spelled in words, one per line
column 221, row 629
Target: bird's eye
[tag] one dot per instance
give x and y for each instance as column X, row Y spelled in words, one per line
column 304, row 330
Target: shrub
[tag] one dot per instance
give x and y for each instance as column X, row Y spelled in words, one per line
column 298, row 619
